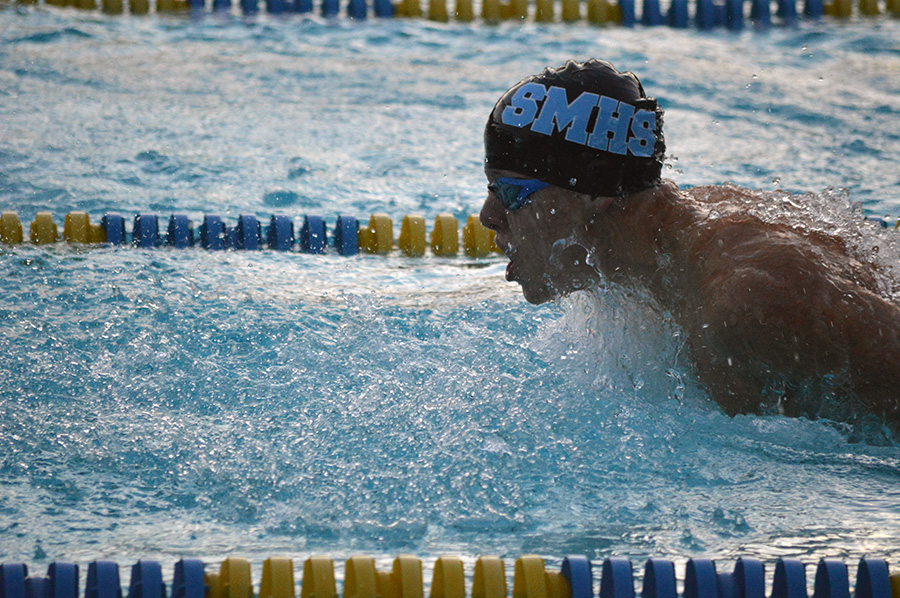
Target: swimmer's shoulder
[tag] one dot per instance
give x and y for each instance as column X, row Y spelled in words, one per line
column 708, row 194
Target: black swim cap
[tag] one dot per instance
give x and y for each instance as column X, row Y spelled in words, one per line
column 584, row 126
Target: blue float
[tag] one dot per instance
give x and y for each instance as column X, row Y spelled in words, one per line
column 103, row 580
column 180, row 233
column 749, row 578
column 832, row 580
column 275, row 7
column 280, row 233
column 356, row 9
column 35, row 587
column 789, row 580
column 734, row 14
column 577, row 571
column 678, row 14
column 301, row 6
column 651, row 16
column 383, row 8
column 616, row 578
column 346, row 235
column 312, row 235
column 250, row 7
column 700, row 580
column 725, row 585
column 659, row 579
column 628, row 12
column 705, row 18
column 188, row 581
column 198, row 6
column 873, row 580
column 787, row 11
column 720, row 14
column 62, row 580
column 114, row 225
column 331, row 8
column 222, row 5
column 246, row 233
column 813, row 9
column 146, row 580
column 761, row 12
column 146, row 231
column 212, row 233
column 12, row 580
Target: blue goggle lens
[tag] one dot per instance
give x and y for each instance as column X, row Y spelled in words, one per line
column 515, row 193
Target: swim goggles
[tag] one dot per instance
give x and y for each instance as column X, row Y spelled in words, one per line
column 515, row 193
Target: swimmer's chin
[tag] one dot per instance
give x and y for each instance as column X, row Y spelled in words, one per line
column 539, row 295
column 539, row 299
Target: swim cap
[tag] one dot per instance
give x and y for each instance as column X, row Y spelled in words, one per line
column 584, row 126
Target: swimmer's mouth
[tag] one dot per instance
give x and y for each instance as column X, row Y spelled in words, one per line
column 511, row 273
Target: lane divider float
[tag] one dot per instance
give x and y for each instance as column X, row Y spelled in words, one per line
column 704, row 14
column 531, row 579
column 348, row 236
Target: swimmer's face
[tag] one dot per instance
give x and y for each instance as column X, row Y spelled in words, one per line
column 543, row 239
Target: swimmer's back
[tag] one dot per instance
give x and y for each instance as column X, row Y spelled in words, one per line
column 777, row 318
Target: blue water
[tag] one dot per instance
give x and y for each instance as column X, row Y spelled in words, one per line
column 164, row 403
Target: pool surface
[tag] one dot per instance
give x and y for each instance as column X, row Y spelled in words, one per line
column 163, row 403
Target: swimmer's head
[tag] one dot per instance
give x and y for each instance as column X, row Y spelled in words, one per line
column 585, row 127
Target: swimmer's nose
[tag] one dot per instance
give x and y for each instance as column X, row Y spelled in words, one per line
column 493, row 214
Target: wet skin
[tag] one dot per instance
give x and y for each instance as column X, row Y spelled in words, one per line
column 775, row 320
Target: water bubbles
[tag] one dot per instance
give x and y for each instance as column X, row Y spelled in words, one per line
column 776, row 181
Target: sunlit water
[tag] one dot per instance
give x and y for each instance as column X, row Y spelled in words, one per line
column 164, row 403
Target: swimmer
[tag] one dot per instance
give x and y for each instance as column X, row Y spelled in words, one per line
column 776, row 321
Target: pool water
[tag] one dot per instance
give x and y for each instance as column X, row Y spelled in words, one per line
column 163, row 403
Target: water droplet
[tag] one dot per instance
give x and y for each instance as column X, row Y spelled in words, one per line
column 776, row 180
column 572, row 181
column 553, row 210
